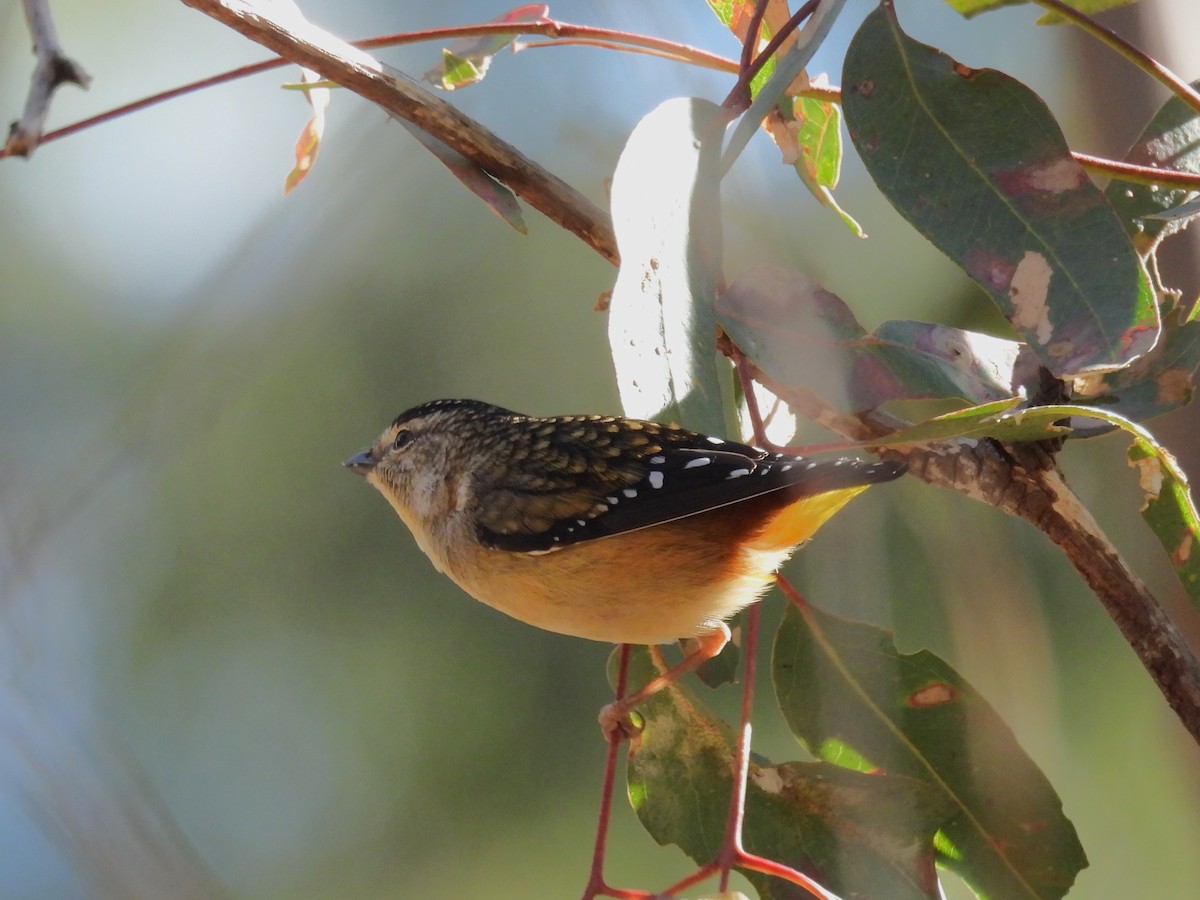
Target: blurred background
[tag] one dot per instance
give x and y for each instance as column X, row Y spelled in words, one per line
column 225, row 668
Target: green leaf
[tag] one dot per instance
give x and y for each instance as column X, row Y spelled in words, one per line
column 1169, row 510
column 975, row 161
column 1003, row 420
column 858, row 835
column 1170, row 141
column 466, row 61
column 666, row 209
column 820, row 138
column 810, row 137
column 843, row 686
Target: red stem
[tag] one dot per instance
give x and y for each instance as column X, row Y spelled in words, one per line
column 596, row 885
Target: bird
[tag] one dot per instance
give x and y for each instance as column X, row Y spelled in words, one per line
column 603, row 527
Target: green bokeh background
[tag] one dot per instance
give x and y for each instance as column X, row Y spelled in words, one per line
column 204, row 621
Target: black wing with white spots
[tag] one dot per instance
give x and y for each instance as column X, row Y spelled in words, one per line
column 559, row 481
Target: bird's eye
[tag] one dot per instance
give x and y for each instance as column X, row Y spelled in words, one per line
column 402, row 439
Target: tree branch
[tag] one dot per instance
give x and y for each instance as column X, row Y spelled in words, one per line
column 298, row 40
column 1024, row 481
column 53, row 68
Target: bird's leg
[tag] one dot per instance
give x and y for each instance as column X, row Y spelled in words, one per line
column 732, row 854
column 614, row 718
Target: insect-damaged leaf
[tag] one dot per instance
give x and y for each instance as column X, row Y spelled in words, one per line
column 1169, row 510
column 858, row 835
column 851, row 696
column 975, row 161
column 666, row 208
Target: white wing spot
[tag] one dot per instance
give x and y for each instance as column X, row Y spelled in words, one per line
column 786, row 467
column 715, row 440
column 657, row 460
column 613, row 501
column 580, row 521
column 655, row 479
column 698, row 462
column 630, row 493
column 738, row 473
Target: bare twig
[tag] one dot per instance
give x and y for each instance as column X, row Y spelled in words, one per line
column 53, row 68
column 311, row 47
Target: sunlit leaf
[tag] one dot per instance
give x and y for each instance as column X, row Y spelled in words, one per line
column 309, row 142
column 976, row 162
column 466, row 61
column 843, row 684
column 858, row 835
column 808, row 134
column 666, row 210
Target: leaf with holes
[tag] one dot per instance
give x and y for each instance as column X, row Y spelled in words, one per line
column 976, row 162
column 849, row 695
column 1169, row 510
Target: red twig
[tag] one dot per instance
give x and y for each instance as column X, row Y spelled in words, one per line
column 605, row 37
column 596, row 885
column 732, row 854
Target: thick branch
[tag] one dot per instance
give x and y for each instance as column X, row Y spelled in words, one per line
column 295, row 39
column 53, row 68
column 1023, row 481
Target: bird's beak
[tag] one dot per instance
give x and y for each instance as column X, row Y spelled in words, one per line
column 360, row 463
